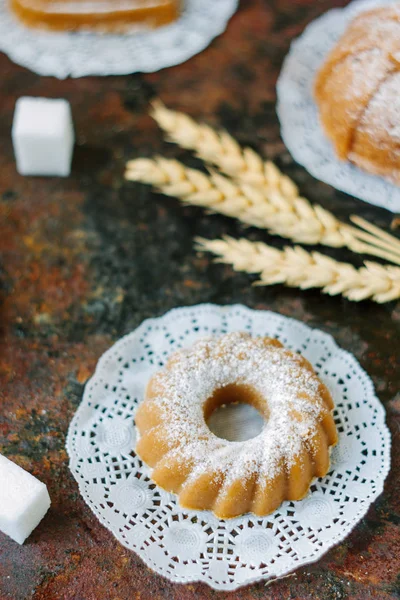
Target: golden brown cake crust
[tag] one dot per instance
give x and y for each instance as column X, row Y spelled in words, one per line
column 232, row 478
column 103, row 15
column 358, row 93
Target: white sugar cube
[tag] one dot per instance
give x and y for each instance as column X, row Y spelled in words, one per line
column 24, row 500
column 43, row 136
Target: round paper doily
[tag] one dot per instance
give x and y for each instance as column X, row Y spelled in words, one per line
column 186, row 545
column 81, row 54
column 298, row 115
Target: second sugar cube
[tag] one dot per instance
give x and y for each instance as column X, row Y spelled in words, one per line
column 43, row 136
column 24, row 500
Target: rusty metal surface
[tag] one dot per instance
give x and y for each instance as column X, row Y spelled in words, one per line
column 86, row 259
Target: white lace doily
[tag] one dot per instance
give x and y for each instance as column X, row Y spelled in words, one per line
column 298, row 115
column 80, row 54
column 186, row 545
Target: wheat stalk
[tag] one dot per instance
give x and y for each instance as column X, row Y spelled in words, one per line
column 245, row 202
column 295, row 267
column 245, row 165
column 222, row 150
column 219, row 194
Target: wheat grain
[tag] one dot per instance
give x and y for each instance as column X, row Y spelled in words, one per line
column 222, row 150
column 245, row 165
column 220, row 194
column 295, row 267
column 247, row 203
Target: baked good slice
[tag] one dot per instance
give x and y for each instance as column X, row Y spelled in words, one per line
column 357, row 91
column 104, row 15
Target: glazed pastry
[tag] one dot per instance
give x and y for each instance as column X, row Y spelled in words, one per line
column 104, row 15
column 232, row 478
column 358, row 93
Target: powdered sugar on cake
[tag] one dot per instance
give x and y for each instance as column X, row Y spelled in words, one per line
column 291, row 391
column 383, row 113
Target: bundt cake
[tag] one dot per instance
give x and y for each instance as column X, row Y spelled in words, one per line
column 358, row 93
column 106, row 15
column 228, row 477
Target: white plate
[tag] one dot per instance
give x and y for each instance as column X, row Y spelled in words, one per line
column 80, row 54
column 186, row 545
column 300, row 127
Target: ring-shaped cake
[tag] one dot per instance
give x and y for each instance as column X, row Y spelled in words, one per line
column 229, row 477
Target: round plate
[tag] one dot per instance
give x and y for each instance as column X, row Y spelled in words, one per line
column 297, row 111
column 186, row 545
column 64, row 54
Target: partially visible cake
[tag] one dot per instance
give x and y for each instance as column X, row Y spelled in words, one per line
column 358, row 93
column 104, row 15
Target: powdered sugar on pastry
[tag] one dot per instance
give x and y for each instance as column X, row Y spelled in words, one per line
column 281, row 384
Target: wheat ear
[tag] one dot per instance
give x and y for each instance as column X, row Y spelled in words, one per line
column 244, row 202
column 220, row 194
column 295, row 267
column 245, row 165
column 222, row 150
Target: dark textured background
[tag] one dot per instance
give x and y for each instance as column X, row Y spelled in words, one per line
column 86, row 259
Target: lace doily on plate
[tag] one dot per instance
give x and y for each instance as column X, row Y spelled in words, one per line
column 187, row 546
column 298, row 115
column 80, row 54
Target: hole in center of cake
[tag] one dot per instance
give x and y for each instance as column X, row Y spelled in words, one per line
column 235, row 413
